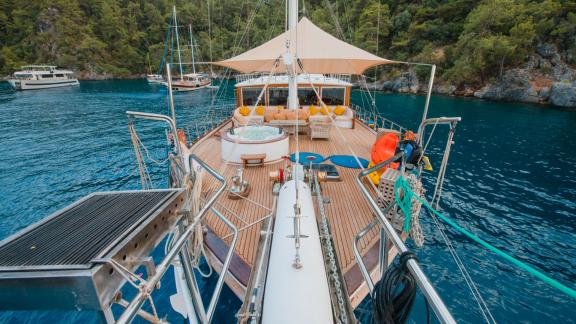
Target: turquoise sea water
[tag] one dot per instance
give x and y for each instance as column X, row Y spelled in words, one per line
column 511, row 180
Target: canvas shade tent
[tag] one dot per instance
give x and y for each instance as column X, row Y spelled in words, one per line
column 318, row 51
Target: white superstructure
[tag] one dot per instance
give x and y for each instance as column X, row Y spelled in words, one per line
column 33, row 77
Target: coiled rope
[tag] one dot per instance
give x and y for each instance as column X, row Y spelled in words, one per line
column 394, row 294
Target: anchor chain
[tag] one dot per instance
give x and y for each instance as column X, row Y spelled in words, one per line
column 325, row 233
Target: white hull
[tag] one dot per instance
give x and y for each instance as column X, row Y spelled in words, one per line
column 178, row 88
column 41, row 84
column 152, row 81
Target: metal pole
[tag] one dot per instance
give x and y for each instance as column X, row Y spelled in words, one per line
column 170, row 94
column 177, row 41
column 192, row 50
column 428, row 95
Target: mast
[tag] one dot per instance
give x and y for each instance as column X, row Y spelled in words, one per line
column 177, row 42
column 192, row 49
column 290, row 56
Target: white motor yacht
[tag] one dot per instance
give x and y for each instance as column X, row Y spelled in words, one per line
column 33, row 77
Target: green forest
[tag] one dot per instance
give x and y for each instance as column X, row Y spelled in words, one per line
column 470, row 41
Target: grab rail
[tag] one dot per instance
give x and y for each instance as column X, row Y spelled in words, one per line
column 158, row 117
column 379, row 121
column 422, row 281
column 134, row 306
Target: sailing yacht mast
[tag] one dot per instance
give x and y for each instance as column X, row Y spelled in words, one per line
column 192, row 49
column 177, row 42
column 291, row 55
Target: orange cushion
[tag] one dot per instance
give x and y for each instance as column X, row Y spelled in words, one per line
column 268, row 117
column 313, row 110
column 324, row 110
column 339, row 110
column 244, row 111
column 302, row 114
column 291, row 115
column 279, row 116
column 260, row 110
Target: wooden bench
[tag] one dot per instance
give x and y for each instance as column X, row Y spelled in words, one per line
column 259, row 158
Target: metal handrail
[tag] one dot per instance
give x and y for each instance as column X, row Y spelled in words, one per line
column 422, row 280
column 360, row 112
column 435, row 121
column 166, row 119
column 136, row 303
column 225, row 266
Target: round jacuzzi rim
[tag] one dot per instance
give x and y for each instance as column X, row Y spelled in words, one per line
column 227, row 138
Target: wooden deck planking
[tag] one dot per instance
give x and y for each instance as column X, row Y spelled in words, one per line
column 348, row 212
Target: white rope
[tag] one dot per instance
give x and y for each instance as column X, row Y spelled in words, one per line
column 465, row 274
column 145, row 179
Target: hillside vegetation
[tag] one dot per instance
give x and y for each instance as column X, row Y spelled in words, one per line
column 472, row 42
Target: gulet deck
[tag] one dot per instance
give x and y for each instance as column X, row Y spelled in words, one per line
column 347, row 210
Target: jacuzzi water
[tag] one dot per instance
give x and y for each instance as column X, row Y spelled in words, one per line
column 255, row 133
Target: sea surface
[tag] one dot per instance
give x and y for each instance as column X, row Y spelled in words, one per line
column 511, row 180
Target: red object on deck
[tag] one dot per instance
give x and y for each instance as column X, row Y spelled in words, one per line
column 385, row 148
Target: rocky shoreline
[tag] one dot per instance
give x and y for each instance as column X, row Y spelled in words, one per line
column 544, row 79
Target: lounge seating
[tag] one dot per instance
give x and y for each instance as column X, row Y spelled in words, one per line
column 342, row 116
column 320, row 129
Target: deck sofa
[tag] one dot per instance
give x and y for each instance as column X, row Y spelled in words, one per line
column 306, row 115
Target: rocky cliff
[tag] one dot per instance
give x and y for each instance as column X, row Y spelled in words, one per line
column 544, row 78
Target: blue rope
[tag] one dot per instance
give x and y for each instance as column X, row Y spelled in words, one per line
column 538, row 274
column 161, row 68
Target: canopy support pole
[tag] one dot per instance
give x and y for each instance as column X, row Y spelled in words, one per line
column 428, row 95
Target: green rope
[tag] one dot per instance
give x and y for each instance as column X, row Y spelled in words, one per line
column 552, row 282
column 403, row 198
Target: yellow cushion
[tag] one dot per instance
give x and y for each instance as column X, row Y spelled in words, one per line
column 260, row 110
column 313, row 110
column 324, row 110
column 244, row 111
column 340, row 110
column 280, row 107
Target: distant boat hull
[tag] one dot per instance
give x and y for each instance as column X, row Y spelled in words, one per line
column 41, row 84
column 183, row 86
column 155, row 78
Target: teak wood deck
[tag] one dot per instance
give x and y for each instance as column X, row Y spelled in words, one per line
column 348, row 211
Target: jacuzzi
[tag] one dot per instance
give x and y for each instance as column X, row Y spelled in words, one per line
column 249, row 140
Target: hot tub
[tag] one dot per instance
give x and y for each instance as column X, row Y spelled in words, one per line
column 248, row 140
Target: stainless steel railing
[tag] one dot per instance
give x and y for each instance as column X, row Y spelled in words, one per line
column 178, row 247
column 375, row 120
column 392, row 236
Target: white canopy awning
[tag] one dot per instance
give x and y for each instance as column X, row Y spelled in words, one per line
column 318, row 51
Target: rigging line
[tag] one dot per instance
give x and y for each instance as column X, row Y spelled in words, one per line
column 428, row 141
column 228, row 71
column 336, row 20
column 465, row 274
column 538, row 274
column 210, row 36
